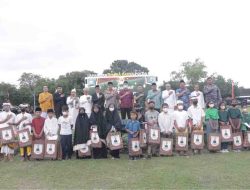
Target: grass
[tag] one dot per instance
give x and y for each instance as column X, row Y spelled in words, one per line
column 207, row 171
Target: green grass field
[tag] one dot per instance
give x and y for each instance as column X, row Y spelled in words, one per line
column 207, row 171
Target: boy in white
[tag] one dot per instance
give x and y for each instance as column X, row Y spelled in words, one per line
column 200, row 97
column 169, row 97
column 196, row 114
column 65, row 126
column 181, row 121
column 165, row 121
column 7, row 118
column 197, row 117
column 51, row 129
column 86, row 102
column 51, row 126
column 24, row 121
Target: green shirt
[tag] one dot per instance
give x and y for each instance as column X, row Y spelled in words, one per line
column 245, row 119
column 234, row 113
column 212, row 113
column 223, row 116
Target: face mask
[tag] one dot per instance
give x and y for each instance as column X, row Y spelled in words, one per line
column 223, row 107
column 211, row 105
column 165, row 110
column 195, row 102
column 245, row 110
column 64, row 113
column 125, row 86
column 180, row 107
column 82, row 112
column 111, row 109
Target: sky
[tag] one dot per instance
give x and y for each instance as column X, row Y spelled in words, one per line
column 53, row 37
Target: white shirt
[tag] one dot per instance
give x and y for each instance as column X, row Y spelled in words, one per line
column 51, row 126
column 65, row 125
column 72, row 102
column 196, row 114
column 166, row 122
column 86, row 103
column 169, row 99
column 200, row 97
column 26, row 121
column 3, row 116
column 180, row 117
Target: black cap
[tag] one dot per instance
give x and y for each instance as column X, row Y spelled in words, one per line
column 110, row 83
column 97, row 86
column 153, row 84
column 38, row 109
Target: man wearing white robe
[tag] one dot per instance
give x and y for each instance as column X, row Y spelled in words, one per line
column 169, row 97
column 86, row 102
column 73, row 104
column 7, row 119
column 200, row 97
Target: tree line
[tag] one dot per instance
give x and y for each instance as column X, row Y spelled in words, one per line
column 30, row 84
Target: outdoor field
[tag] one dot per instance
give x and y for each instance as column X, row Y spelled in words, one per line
column 207, row 171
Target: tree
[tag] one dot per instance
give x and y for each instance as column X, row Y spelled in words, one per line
column 31, row 85
column 9, row 92
column 193, row 72
column 123, row 66
column 225, row 86
column 72, row 80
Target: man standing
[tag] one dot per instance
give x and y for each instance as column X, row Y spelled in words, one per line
column 212, row 92
column 98, row 97
column 111, row 96
column 183, row 94
column 46, row 101
column 126, row 98
column 59, row 101
column 140, row 98
column 86, row 101
column 7, row 118
column 169, row 98
column 155, row 96
column 199, row 95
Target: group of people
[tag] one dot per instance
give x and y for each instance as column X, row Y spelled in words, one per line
column 70, row 120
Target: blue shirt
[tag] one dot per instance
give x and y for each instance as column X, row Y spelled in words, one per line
column 133, row 126
column 184, row 97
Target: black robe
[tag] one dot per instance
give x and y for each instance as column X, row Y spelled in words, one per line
column 82, row 128
column 113, row 119
column 99, row 120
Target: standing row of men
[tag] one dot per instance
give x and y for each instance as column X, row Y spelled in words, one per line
column 126, row 100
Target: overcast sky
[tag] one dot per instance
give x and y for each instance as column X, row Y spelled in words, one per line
column 52, row 37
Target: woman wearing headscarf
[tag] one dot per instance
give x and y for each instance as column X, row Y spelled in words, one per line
column 113, row 123
column 97, row 120
column 82, row 128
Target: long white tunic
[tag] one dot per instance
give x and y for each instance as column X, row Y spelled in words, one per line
column 73, row 104
column 86, row 103
column 3, row 115
column 51, row 127
column 26, row 121
column 170, row 99
column 200, row 97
